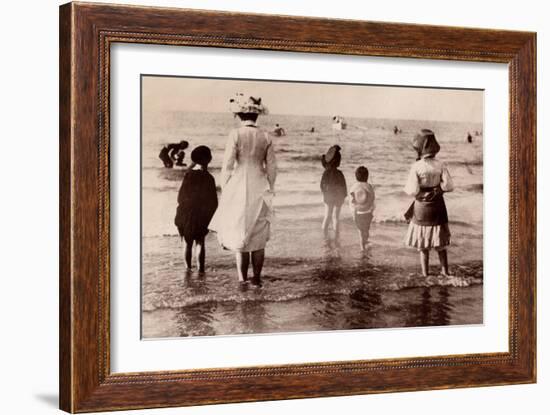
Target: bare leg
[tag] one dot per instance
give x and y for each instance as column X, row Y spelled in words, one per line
column 257, row 265
column 337, row 221
column 188, row 251
column 243, row 260
column 443, row 261
column 361, row 231
column 425, row 261
column 364, row 238
column 366, row 231
column 327, row 220
column 200, row 253
column 362, row 241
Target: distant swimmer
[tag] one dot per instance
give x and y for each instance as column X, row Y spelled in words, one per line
column 312, row 130
column 396, row 130
column 469, row 138
column 173, row 153
column 338, row 123
column 279, row 131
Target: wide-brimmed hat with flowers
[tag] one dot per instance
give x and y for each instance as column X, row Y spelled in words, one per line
column 247, row 105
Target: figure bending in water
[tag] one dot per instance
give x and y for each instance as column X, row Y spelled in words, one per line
column 173, row 153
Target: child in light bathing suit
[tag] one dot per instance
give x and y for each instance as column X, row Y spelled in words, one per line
column 361, row 204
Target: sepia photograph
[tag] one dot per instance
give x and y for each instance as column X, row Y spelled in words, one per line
column 276, row 206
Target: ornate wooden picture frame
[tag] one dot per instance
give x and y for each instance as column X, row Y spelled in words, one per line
column 87, row 32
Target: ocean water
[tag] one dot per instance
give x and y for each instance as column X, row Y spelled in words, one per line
column 309, row 284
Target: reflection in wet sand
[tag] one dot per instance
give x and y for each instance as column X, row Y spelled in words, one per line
column 347, row 296
column 432, row 309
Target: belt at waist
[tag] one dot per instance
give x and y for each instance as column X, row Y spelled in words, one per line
column 430, row 194
column 428, row 208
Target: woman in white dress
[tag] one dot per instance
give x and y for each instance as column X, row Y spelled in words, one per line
column 243, row 218
column 428, row 180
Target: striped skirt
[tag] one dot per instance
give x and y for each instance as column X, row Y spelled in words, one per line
column 428, row 236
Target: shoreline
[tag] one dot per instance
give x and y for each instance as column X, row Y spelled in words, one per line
column 410, row 308
column 303, row 276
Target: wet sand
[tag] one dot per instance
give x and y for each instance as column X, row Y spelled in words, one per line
column 311, row 285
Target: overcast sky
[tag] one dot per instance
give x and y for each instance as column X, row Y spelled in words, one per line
column 365, row 101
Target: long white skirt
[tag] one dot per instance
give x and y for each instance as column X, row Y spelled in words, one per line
column 243, row 219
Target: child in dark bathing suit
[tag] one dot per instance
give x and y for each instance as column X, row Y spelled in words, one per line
column 334, row 189
column 197, row 202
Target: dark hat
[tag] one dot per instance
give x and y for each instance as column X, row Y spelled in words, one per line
column 333, row 157
column 425, row 143
column 333, row 151
column 201, row 155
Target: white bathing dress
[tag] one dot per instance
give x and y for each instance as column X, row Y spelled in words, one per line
column 249, row 169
